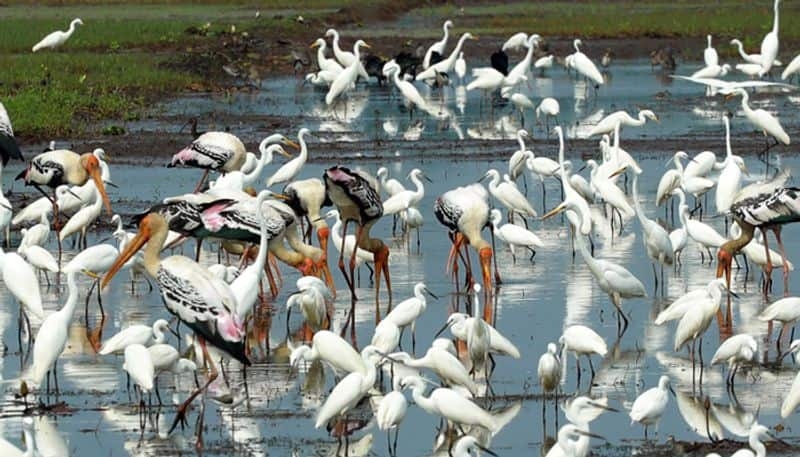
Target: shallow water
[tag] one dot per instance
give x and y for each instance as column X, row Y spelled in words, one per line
column 534, row 304
column 378, row 113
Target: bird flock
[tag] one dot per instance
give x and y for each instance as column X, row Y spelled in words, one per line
column 265, row 223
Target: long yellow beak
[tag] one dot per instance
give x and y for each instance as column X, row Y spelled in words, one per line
column 618, row 172
column 283, row 152
column 131, row 249
column 555, row 211
column 291, row 143
column 313, row 45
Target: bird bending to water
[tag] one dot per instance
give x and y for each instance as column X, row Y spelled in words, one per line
column 57, row 38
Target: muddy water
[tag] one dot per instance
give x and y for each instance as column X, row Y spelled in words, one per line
column 536, row 301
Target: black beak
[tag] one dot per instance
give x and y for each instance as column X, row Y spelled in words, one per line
column 111, row 184
column 431, row 294
column 482, row 178
column 486, row 450
column 444, row 327
column 426, row 178
column 74, row 194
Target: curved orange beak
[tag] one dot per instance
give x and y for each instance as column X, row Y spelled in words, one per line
column 94, row 171
column 141, row 238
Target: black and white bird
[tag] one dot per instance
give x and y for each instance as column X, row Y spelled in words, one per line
column 8, row 144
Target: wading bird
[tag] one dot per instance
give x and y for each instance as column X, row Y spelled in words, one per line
column 57, row 38
column 189, row 291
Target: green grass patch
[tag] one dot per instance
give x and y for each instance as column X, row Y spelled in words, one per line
column 59, row 94
column 619, row 19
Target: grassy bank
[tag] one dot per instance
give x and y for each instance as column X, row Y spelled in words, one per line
column 749, row 20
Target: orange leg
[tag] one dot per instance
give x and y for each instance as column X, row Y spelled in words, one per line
column 382, row 266
column 273, row 288
column 181, row 415
column 486, row 260
column 323, row 234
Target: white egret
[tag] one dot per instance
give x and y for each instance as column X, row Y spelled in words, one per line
column 57, row 38
column 705, row 236
column 710, row 56
column 508, row 195
column 466, row 445
column 548, row 108
column 549, row 372
column 407, row 198
column 391, row 412
column 791, row 69
column 461, row 67
column 730, row 178
column 543, row 167
column 792, row 399
column 568, row 437
column 386, row 336
column 648, row 407
column 346, row 80
column 736, row 351
column 585, row 66
column 762, row 119
column 581, row 340
column 332, row 349
column 523, row 67
column 498, row 343
column 52, row 338
column 678, row 308
column 408, row 311
column 439, row 46
column 20, row 279
column 770, row 43
column 391, row 185
column 757, row 433
column 581, row 411
column 543, row 63
column 145, row 335
column 409, row 92
column 521, row 102
column 37, row 234
column 786, row 311
column 445, row 65
column 613, row 279
column 450, row 405
column 345, row 58
column 516, row 164
column 514, row 235
column 696, row 321
column 290, row 169
column 350, row 390
column 749, row 58
column 656, row 240
column 445, row 365
column 326, row 65
column 609, row 123
column 478, row 336
column 39, row 258
column 139, row 367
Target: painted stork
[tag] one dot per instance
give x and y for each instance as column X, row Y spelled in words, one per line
column 8, row 144
column 54, row 168
column 357, row 199
column 766, row 206
column 215, row 151
column 465, row 212
column 190, row 292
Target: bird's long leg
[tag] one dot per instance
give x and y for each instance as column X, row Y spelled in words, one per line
column 497, row 279
column 777, row 230
column 381, row 258
column 767, row 267
column 353, row 298
column 273, row 288
column 347, row 279
column 180, row 417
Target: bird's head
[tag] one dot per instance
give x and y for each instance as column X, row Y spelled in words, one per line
column 317, row 43
column 91, row 166
column 150, row 225
column 77, row 21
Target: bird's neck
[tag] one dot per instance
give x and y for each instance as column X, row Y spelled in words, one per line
column 732, row 247
column 776, row 21
column 71, row 29
column 72, row 298
column 285, row 255
column 758, row 446
column 152, row 252
column 420, row 399
column 457, row 50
